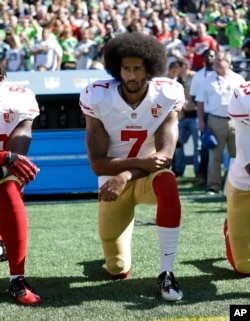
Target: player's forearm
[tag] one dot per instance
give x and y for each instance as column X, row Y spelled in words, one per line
column 200, row 110
column 114, row 166
column 133, row 173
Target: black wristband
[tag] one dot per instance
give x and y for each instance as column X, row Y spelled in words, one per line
column 3, row 172
column 10, row 159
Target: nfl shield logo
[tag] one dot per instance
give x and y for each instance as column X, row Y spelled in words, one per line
column 51, row 82
column 134, row 115
column 156, row 111
column 9, row 116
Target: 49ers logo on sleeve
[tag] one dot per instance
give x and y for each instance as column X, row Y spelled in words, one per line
column 156, row 111
column 9, row 116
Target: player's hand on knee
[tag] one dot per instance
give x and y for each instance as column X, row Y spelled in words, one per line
column 109, row 191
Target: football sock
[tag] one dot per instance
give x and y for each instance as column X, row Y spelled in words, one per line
column 13, row 223
column 12, row 277
column 168, row 202
column 168, row 240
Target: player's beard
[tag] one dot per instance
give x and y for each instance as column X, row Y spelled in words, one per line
column 137, row 89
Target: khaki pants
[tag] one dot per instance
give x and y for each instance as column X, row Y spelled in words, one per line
column 116, row 222
column 224, row 131
column 238, row 221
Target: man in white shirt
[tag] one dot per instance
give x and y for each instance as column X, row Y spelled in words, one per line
column 85, row 50
column 215, row 93
column 196, row 83
column 48, row 52
column 175, row 45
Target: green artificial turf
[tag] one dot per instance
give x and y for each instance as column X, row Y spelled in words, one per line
column 65, row 264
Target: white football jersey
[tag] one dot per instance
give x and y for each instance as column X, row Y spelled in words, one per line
column 16, row 104
column 131, row 132
column 239, row 110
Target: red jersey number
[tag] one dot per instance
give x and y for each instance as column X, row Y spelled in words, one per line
column 139, row 136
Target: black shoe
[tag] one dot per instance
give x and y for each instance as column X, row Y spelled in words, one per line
column 168, row 286
column 21, row 292
column 3, row 253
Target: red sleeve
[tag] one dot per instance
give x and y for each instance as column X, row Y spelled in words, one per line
column 213, row 44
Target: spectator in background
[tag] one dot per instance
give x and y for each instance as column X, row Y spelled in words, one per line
column 175, row 45
column 28, row 61
column 30, row 29
column 81, row 5
column 43, row 17
column 172, row 70
column 108, row 33
column 97, row 28
column 3, row 48
column 75, row 28
column 194, row 10
column 118, row 26
column 162, row 32
column 80, row 19
column 103, row 40
column 187, row 123
column 220, row 23
column 199, row 44
column 47, row 52
column 216, row 91
column 54, row 6
column 236, row 31
column 187, row 29
column 57, row 29
column 68, row 44
column 85, row 51
column 15, row 25
column 5, row 17
column 15, row 55
column 243, row 7
column 196, row 83
column 212, row 13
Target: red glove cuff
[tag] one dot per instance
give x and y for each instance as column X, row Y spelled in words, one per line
column 3, row 155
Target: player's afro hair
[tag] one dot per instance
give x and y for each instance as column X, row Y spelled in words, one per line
column 2, row 72
column 135, row 44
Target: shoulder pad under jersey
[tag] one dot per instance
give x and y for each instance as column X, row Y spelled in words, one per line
column 21, row 100
column 94, row 93
column 170, row 88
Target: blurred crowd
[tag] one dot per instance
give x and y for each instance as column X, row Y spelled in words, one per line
column 38, row 35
